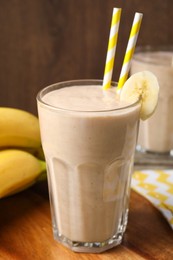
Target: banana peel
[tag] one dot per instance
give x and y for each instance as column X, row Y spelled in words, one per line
column 18, row 171
column 18, row 128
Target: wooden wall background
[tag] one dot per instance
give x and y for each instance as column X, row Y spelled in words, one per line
column 45, row 41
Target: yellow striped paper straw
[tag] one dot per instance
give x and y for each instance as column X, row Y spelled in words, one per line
column 130, row 49
column 113, row 36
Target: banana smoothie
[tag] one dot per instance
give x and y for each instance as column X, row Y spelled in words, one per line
column 89, row 139
column 156, row 134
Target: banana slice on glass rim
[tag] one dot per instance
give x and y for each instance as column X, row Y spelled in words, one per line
column 142, row 86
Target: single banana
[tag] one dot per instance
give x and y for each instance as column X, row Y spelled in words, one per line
column 142, row 86
column 18, row 128
column 18, row 171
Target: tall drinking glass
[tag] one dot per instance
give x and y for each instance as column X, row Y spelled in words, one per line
column 156, row 134
column 89, row 155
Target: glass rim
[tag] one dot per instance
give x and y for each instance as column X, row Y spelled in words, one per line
column 151, row 49
column 78, row 82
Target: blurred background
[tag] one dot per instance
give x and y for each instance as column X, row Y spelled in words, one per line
column 46, row 41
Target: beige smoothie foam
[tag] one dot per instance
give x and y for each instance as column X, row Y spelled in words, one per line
column 89, row 182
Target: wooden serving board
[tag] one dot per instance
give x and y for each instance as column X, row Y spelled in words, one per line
column 26, row 232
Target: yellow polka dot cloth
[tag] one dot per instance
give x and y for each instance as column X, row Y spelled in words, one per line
column 157, row 187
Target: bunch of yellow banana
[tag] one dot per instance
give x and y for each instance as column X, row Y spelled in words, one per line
column 21, row 156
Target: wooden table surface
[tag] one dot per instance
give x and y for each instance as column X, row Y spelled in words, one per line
column 26, row 234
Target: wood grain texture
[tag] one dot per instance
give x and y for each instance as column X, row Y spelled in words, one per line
column 26, row 233
column 45, row 41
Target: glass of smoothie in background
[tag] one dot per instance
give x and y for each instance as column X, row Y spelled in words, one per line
column 156, row 134
column 89, row 139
